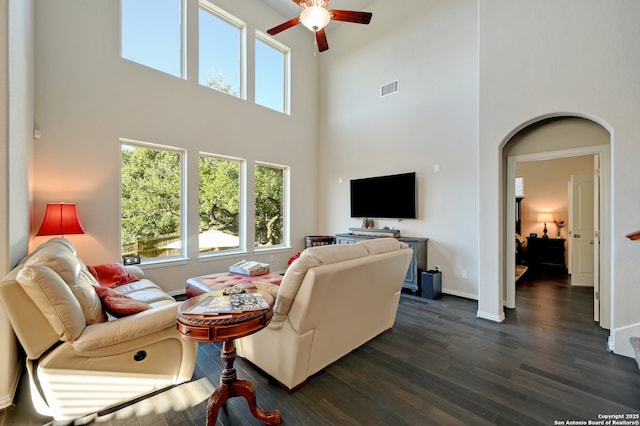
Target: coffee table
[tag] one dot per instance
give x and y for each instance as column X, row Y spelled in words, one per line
column 225, row 328
column 211, row 282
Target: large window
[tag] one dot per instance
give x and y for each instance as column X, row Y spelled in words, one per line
column 221, row 54
column 151, row 200
column 219, row 199
column 272, row 74
column 271, row 216
column 151, row 34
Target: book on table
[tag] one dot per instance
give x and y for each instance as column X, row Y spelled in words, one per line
column 250, row 268
column 232, row 303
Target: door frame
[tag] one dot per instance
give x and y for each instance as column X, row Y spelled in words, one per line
column 603, row 154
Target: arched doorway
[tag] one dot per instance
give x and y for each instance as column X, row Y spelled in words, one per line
column 554, row 138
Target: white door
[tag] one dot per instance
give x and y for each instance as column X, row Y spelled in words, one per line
column 596, row 239
column 582, row 230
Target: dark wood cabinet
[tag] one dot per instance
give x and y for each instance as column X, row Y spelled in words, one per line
column 413, row 280
column 546, row 255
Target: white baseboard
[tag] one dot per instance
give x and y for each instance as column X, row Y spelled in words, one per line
column 619, row 340
column 480, row 314
column 466, row 295
column 490, row 316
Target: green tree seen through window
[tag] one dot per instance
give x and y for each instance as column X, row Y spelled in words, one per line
column 270, row 207
column 151, row 208
column 152, row 202
column 219, row 208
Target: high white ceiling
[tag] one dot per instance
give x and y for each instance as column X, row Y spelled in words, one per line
column 289, row 9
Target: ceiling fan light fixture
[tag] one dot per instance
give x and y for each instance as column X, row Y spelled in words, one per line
column 315, row 18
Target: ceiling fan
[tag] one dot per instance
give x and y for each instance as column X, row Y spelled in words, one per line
column 316, row 16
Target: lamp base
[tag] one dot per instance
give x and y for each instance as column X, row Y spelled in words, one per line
column 544, row 232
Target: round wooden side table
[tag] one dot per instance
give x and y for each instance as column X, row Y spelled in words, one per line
column 225, row 328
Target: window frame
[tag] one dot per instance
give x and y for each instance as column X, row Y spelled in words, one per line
column 183, row 256
column 286, row 207
column 242, row 208
column 286, row 84
column 242, row 27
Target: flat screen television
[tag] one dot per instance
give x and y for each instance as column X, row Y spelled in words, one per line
column 384, row 197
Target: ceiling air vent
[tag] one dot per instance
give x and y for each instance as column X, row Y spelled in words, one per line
column 389, row 89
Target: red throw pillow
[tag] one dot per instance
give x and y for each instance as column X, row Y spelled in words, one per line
column 111, row 274
column 293, row 258
column 118, row 304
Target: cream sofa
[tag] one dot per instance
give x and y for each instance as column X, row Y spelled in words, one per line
column 79, row 359
column 331, row 300
column 10, row 362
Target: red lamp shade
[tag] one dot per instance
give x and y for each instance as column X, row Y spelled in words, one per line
column 61, row 219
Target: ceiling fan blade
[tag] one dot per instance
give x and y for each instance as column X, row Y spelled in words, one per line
column 297, row 2
column 351, row 16
column 321, row 39
column 284, row 26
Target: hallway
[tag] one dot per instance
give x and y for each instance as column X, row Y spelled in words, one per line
column 554, row 302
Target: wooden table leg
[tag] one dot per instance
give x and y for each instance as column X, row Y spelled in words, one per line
column 245, row 389
column 216, row 400
column 230, row 387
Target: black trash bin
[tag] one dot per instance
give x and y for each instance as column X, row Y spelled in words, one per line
column 432, row 284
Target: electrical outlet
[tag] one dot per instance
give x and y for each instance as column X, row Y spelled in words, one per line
column 131, row 260
column 271, row 258
column 464, row 274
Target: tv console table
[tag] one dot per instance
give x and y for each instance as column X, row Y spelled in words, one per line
column 413, row 280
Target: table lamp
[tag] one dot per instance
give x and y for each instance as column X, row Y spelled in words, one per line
column 545, row 217
column 60, row 219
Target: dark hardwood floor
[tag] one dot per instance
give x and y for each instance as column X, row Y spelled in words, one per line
column 439, row 366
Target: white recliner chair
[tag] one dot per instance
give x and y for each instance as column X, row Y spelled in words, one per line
column 80, row 360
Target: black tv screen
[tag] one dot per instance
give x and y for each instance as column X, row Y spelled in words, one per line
column 382, row 197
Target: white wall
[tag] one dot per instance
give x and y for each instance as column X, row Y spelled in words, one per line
column 430, row 46
column 543, row 58
column 88, row 97
column 4, row 138
column 16, row 142
column 16, row 122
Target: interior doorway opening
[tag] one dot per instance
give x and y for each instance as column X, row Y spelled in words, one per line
column 548, row 144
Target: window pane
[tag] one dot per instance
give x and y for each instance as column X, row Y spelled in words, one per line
column 270, row 205
column 151, row 206
column 152, row 34
column 219, row 204
column 270, row 76
column 220, row 53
